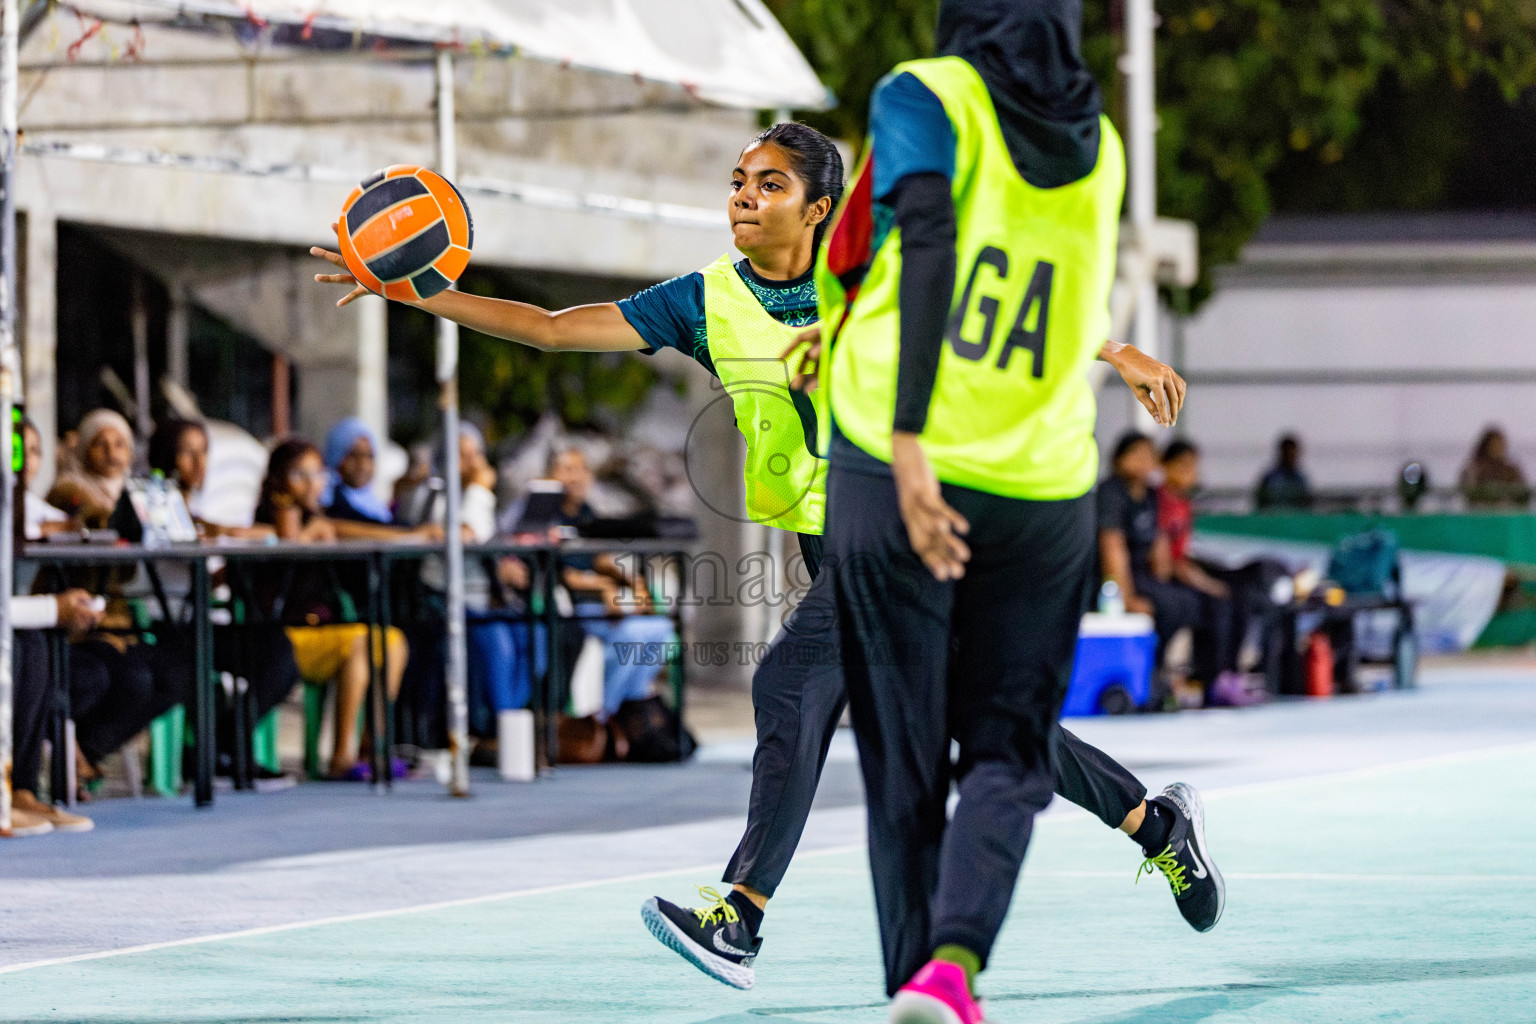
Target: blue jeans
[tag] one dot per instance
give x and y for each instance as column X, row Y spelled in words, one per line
column 503, row 659
column 633, row 652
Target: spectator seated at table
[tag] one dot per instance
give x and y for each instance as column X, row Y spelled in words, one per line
column 354, row 510
column 326, row 648
column 178, row 450
column 611, row 606
column 1134, row 553
column 500, row 641
column 39, row 517
column 1491, row 479
column 32, row 698
column 257, row 652
column 90, row 489
column 118, row 683
column 1231, row 594
column 1285, row 486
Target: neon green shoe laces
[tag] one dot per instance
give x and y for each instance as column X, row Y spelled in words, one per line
column 719, row 908
column 1169, row 866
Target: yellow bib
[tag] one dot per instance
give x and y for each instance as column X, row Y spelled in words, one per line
column 1012, row 411
column 786, row 481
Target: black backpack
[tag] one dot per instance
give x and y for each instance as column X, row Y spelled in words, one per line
column 654, row 732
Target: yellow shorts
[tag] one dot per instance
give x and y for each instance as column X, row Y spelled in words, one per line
column 321, row 651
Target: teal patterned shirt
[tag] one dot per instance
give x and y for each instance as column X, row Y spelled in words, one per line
column 671, row 314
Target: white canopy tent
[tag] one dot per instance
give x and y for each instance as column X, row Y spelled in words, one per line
column 729, row 53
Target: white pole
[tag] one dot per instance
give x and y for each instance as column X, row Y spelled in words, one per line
column 9, row 362
column 1141, row 118
column 448, row 400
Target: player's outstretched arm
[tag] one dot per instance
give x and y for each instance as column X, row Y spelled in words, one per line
column 595, row 328
column 1154, row 384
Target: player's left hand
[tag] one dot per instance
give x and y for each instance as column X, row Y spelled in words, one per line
column 1156, row 386
column 345, row 277
column 933, row 527
column 804, row 358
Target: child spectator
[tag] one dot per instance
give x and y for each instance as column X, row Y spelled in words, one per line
column 325, row 648
column 1227, row 609
column 1136, row 554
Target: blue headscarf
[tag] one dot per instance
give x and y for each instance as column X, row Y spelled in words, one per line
column 337, row 444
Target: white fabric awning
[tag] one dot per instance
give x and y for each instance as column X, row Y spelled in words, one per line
column 731, row 52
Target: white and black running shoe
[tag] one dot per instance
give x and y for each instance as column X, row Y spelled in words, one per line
column 1186, row 863
column 713, row 938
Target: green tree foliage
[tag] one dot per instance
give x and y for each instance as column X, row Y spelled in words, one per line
column 1249, row 91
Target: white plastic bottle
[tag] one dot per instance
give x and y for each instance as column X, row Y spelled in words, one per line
column 1110, row 601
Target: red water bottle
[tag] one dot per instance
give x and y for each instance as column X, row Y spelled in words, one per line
column 1319, row 666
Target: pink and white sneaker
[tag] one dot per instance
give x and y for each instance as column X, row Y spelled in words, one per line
column 937, row 994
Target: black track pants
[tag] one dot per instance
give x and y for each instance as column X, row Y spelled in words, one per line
column 984, row 661
column 799, row 696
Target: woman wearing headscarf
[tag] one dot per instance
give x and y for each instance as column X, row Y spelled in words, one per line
column 350, row 503
column 125, row 684
column 501, row 653
column 980, row 237
column 90, row 490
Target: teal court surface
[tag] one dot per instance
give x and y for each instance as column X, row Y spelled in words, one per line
column 1380, row 854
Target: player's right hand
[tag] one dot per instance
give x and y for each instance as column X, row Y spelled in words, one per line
column 345, row 277
column 804, row 358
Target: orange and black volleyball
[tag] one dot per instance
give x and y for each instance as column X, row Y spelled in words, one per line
column 406, row 233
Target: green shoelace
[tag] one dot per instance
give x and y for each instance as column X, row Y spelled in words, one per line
column 719, row 908
column 1171, row 869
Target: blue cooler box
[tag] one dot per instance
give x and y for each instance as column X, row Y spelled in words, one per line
column 1113, row 671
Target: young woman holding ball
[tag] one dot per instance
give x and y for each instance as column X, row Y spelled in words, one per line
column 735, row 318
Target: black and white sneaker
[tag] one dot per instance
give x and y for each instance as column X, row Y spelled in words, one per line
column 713, row 938
column 1197, row 885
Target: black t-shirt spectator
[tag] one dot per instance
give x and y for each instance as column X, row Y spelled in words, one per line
column 1284, row 487
column 1118, row 510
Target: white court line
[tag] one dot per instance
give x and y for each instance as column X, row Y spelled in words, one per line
column 1304, row 876
column 469, row 901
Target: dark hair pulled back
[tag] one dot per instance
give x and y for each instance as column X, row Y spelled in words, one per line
column 816, row 160
column 1127, row 443
column 279, row 465
column 166, row 439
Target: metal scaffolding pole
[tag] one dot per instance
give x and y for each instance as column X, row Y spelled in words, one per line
column 1141, row 127
column 9, row 365
column 448, row 400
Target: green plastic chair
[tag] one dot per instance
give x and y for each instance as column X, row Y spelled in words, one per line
column 168, row 738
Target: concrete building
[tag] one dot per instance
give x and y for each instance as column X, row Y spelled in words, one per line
column 172, row 181
column 209, row 162
column 1378, row 340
